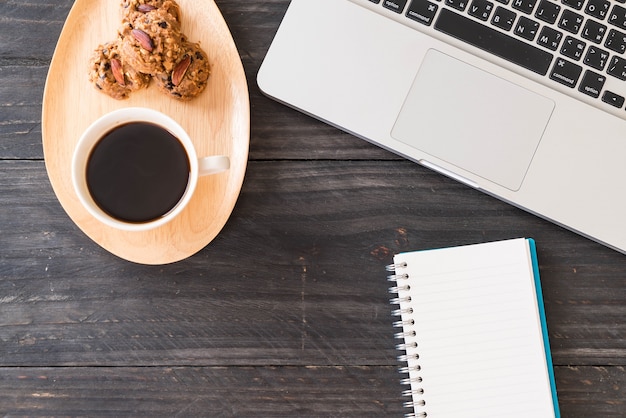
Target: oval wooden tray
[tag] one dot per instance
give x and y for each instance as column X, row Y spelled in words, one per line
column 218, row 121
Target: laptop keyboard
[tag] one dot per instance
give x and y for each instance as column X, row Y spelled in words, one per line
column 576, row 46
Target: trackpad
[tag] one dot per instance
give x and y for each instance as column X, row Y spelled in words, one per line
column 473, row 120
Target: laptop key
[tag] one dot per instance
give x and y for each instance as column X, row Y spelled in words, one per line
column 573, row 48
column 525, row 6
column 457, row 4
column 598, row 8
column 571, row 21
column 493, row 41
column 550, row 38
column 617, row 67
column 576, row 4
column 481, row 9
column 527, row 28
column 592, row 84
column 616, row 41
column 596, row 57
column 593, row 31
column 422, row 11
column 613, row 99
column 547, row 11
column 395, row 5
column 617, row 17
column 503, row 18
column 566, row 72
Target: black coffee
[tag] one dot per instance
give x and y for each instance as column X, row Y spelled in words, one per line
column 138, row 172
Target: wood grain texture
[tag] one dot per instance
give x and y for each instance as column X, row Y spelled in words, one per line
column 335, row 391
column 285, row 312
column 217, row 121
column 214, row 392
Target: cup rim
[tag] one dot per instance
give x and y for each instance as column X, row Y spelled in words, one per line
column 94, row 133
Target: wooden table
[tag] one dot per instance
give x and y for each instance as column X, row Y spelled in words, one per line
column 286, row 312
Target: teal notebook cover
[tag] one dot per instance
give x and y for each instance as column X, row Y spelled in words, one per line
column 544, row 326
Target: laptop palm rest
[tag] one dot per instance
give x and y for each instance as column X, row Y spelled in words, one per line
column 470, row 119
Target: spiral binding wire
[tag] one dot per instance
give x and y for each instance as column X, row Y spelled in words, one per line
column 404, row 323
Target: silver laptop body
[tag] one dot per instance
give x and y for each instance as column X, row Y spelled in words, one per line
column 521, row 99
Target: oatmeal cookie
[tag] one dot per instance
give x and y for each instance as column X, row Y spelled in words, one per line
column 132, row 9
column 190, row 75
column 111, row 75
column 152, row 43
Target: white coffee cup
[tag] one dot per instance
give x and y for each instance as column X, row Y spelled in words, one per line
column 135, row 173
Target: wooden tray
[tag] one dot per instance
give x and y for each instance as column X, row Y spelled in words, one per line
column 218, row 121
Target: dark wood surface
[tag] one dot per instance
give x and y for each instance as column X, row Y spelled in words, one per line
column 286, row 313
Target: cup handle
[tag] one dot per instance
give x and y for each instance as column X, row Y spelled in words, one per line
column 213, row 165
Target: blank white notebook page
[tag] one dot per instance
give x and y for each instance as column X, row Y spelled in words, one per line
column 477, row 330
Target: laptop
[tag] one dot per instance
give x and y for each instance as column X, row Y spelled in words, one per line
column 521, row 99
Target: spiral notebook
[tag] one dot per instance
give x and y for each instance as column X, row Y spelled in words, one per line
column 475, row 341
